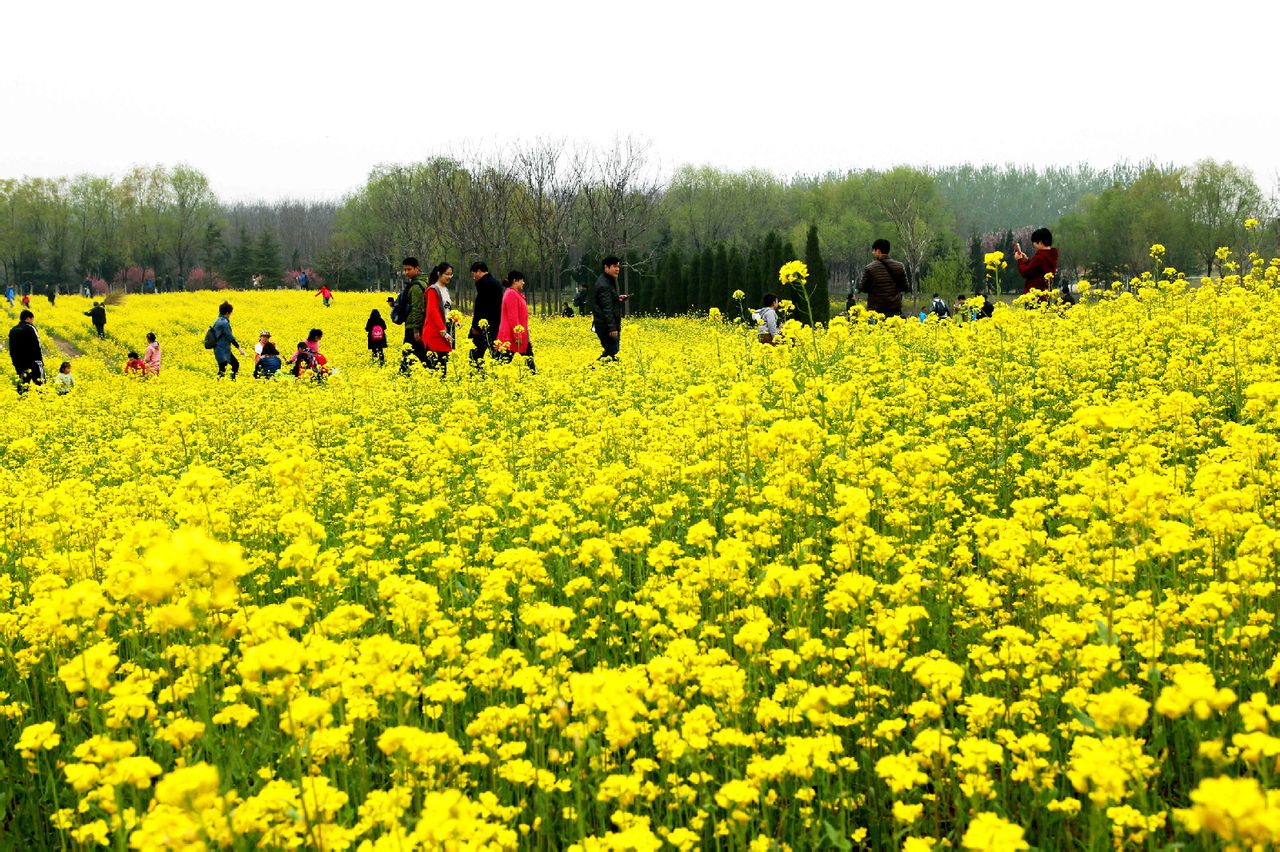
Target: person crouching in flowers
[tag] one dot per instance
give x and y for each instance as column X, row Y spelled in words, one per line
column 304, row 361
column 767, row 320
column 64, row 382
column 513, row 326
column 134, row 366
column 437, row 333
column 268, row 363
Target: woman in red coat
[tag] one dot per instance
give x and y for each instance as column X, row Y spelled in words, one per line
column 1044, row 262
column 513, row 329
column 437, row 331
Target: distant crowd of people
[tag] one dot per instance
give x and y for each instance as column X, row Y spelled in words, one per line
column 499, row 326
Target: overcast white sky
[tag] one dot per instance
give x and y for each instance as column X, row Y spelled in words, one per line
column 301, row 99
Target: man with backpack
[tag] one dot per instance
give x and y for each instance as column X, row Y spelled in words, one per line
column 411, row 310
column 884, row 280
column 939, row 307
column 220, row 339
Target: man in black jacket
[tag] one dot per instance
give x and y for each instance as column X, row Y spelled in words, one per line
column 24, row 351
column 884, row 281
column 98, row 315
column 488, row 307
column 606, row 313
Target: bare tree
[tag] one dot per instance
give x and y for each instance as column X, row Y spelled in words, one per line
column 620, row 200
column 191, row 205
column 551, row 179
column 909, row 199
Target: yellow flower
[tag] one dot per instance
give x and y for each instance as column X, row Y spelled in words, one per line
column 992, row 833
column 1157, row 251
column 41, row 736
column 793, row 272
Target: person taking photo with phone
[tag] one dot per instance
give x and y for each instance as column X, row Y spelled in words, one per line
column 1044, row 262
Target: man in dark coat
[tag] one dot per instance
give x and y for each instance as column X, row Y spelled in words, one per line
column 24, row 351
column 98, row 316
column 606, row 312
column 488, row 307
column 884, row 281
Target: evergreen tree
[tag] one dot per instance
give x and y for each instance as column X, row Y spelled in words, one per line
column 754, row 275
column 719, row 278
column 819, row 297
column 976, row 266
column 737, row 281
column 673, row 285
column 266, row 257
column 706, row 270
column 239, row 270
column 692, row 277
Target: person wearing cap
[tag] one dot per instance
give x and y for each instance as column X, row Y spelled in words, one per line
column 264, row 337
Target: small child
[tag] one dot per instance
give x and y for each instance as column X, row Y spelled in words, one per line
column 64, row 382
column 304, row 359
column 135, row 365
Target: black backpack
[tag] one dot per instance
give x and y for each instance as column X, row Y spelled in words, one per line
column 400, row 310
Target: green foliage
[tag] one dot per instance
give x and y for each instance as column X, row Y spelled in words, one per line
column 819, row 301
column 266, row 256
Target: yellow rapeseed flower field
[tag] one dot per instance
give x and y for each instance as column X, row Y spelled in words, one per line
column 989, row 584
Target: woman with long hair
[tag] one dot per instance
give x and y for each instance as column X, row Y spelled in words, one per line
column 513, row 329
column 437, row 333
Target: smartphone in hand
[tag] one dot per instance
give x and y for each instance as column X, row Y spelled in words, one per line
column 1017, row 248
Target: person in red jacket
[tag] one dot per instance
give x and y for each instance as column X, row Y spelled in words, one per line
column 437, row 331
column 513, row 328
column 1044, row 262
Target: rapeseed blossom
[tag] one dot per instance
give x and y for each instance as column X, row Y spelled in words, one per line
column 944, row 585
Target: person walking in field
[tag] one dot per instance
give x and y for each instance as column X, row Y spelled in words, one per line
column 376, row 330
column 325, row 294
column 1044, row 262
column 884, row 280
column 415, row 313
column 151, row 355
column 606, row 312
column 513, row 327
column 223, row 341
column 437, row 331
column 9, row 294
column 25, row 353
column 488, row 312
column 98, row 316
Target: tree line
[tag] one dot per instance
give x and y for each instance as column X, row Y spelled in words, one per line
column 689, row 239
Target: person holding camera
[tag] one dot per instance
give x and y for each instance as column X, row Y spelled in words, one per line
column 1044, row 262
